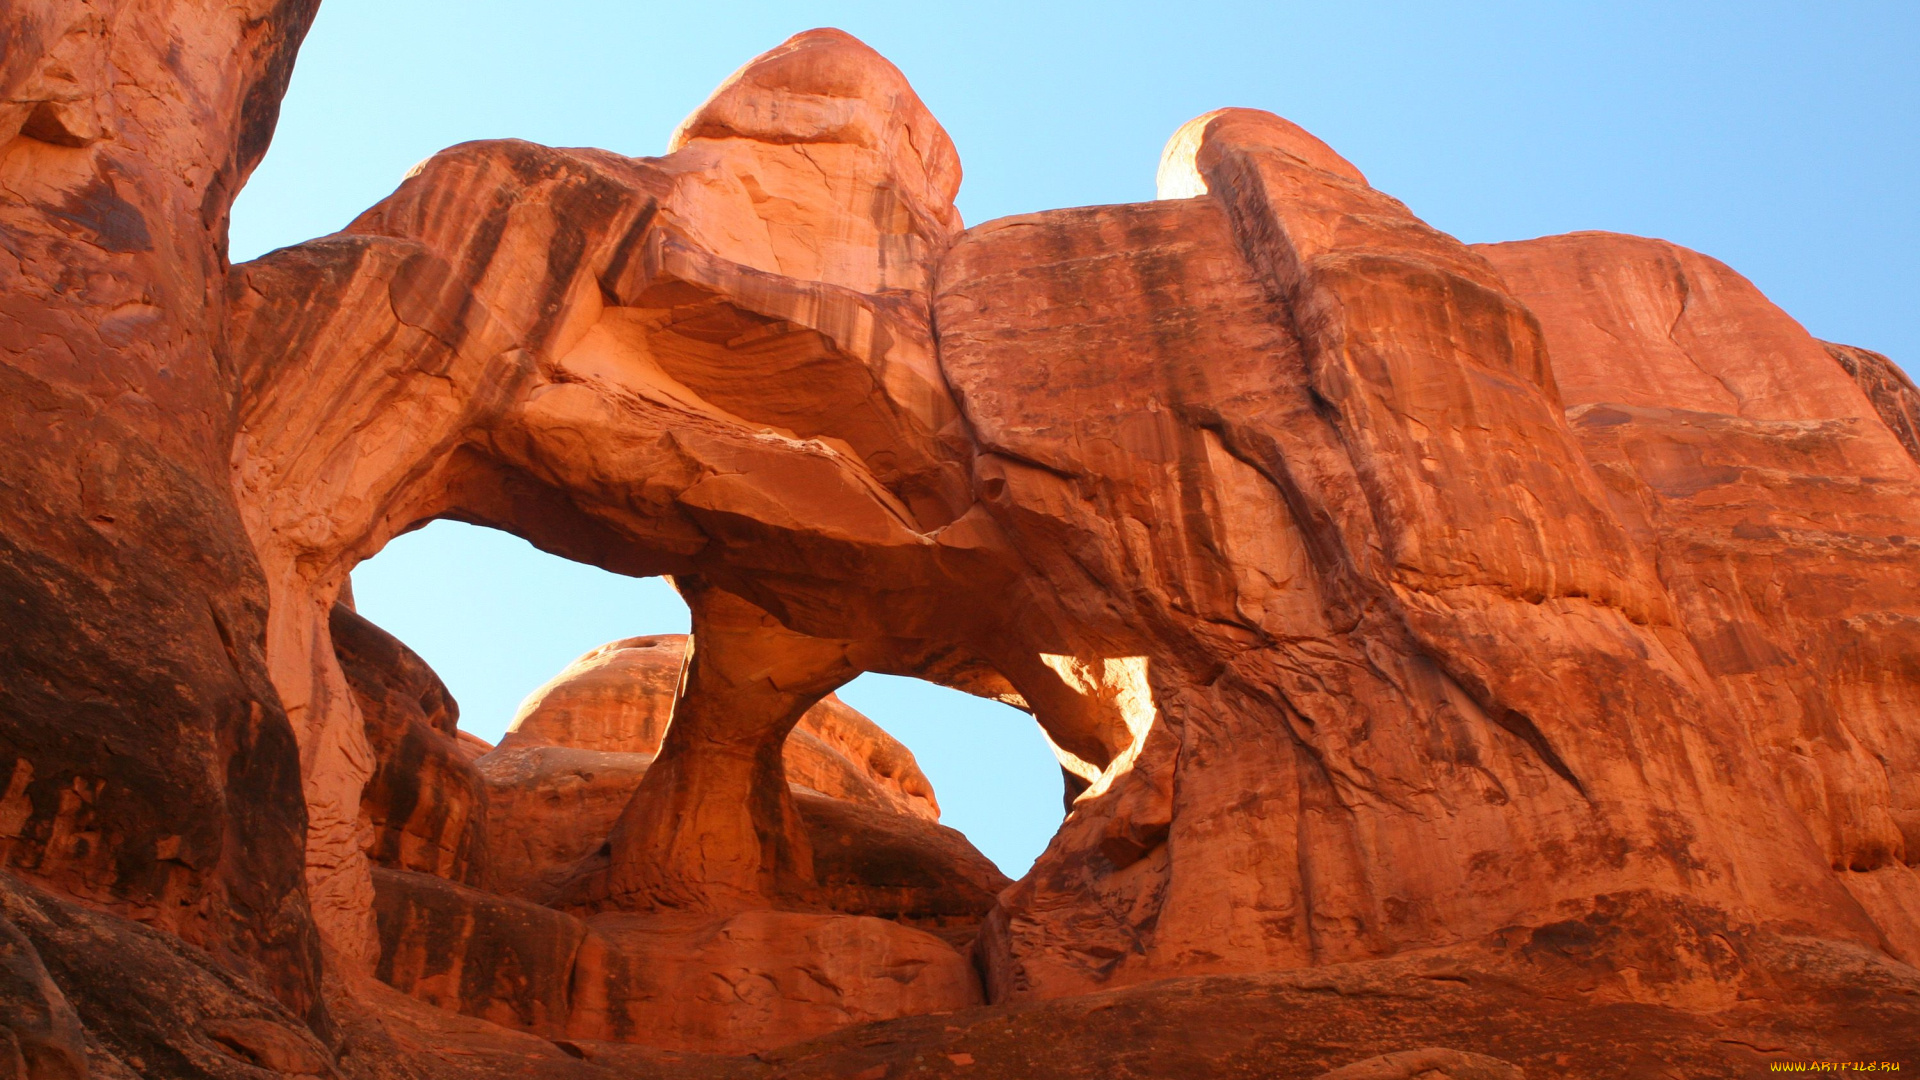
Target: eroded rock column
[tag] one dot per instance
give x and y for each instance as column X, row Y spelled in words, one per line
column 713, row 826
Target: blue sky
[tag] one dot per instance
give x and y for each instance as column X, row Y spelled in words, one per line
column 1778, row 137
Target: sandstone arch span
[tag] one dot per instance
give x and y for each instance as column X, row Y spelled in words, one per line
column 1272, row 449
column 652, row 407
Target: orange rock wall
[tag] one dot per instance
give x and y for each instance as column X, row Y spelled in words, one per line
column 424, row 806
column 1779, row 495
column 480, row 866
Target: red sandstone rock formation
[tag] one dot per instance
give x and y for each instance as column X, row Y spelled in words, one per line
column 757, row 979
column 1429, row 1063
column 424, row 807
column 150, row 767
column 1517, row 640
column 1778, row 489
column 1894, row 396
column 891, row 903
column 619, row 697
column 582, row 743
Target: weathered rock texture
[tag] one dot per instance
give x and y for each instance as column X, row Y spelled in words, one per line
column 503, row 960
column 424, row 807
column 1779, row 496
column 114, row 999
column 514, row 949
column 1505, row 651
column 150, row 766
column 757, row 979
column 1428, row 1063
column 1894, row 396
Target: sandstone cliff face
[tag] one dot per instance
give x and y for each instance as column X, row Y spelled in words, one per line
column 1894, row 396
column 619, row 698
column 1450, row 623
column 149, row 762
column 1473, row 630
column 1778, row 490
column 424, row 806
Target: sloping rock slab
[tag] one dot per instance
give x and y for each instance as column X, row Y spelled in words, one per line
column 154, row 1006
column 488, row 956
column 893, row 866
column 1430, row 1063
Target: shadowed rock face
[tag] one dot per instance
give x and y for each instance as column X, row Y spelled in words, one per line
column 150, row 766
column 1536, row 615
column 424, row 807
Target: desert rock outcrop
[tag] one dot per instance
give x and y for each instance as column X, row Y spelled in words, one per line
column 1778, row 493
column 503, row 960
column 150, row 766
column 757, row 979
column 480, row 866
column 1431, row 1063
column 1507, row 648
column 424, row 806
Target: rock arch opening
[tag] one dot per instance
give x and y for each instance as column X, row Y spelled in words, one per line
column 544, row 854
column 496, row 617
column 498, row 620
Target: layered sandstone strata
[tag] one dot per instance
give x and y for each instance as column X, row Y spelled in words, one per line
column 1516, row 641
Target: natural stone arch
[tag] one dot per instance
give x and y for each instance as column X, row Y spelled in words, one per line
column 410, row 369
column 1421, row 696
column 1263, row 498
